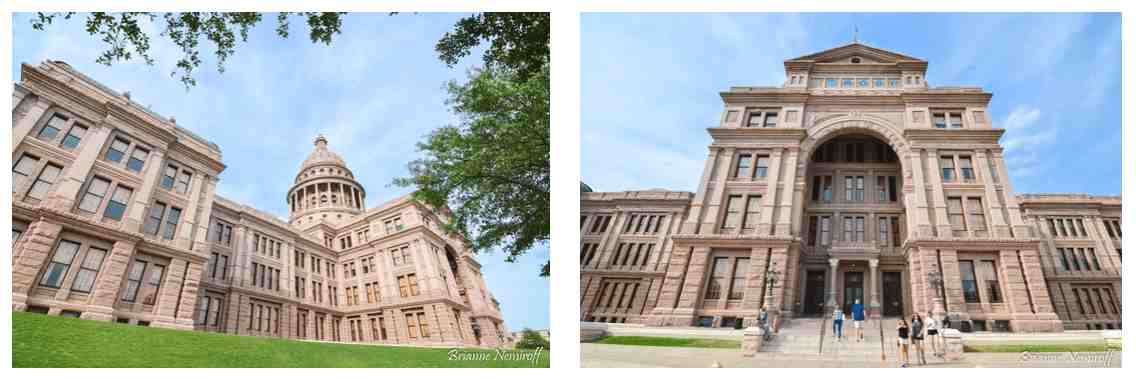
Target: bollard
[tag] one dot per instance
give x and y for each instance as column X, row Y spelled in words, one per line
column 751, row 341
column 952, row 341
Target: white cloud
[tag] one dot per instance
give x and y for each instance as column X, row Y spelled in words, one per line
column 1025, row 140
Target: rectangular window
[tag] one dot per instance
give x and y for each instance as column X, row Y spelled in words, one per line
column 830, row 83
column 1076, row 260
column 96, row 190
column 1064, row 258
column 742, row 169
column 134, row 280
column 154, row 219
column 1084, row 258
column 52, row 128
column 753, row 210
column 977, row 215
column 813, row 230
column 171, row 223
column 60, row 263
column 182, row 185
column 117, row 204
column 117, row 150
column 770, row 120
column 955, row 214
column 990, row 280
column 825, row 230
column 881, row 189
column 411, row 326
column 849, row 225
column 23, row 169
column 939, row 120
column 733, row 211
column 74, row 136
column 969, row 284
column 859, row 228
column 737, row 282
column 169, row 176
column 717, row 278
column 879, row 83
column 88, row 270
column 883, row 231
column 947, row 166
column 966, row 168
column 846, row 83
column 1093, row 255
column 153, row 283
column 44, row 182
column 762, row 167
column 137, row 159
column 897, row 240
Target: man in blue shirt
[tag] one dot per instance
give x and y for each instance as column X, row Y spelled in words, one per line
column 858, row 320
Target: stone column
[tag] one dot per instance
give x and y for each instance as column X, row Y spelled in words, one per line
column 66, row 191
column 769, row 199
column 715, row 198
column 691, row 225
column 952, row 282
column 608, row 240
column 992, row 206
column 832, row 266
column 136, row 211
column 109, row 280
column 201, row 239
column 942, row 224
column 169, row 292
column 38, row 246
column 21, row 128
column 1018, row 227
column 189, row 289
column 874, row 303
column 695, row 274
column 184, row 237
column 789, row 181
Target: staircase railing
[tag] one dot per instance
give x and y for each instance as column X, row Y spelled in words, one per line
column 823, row 324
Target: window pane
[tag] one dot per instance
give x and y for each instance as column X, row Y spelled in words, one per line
column 74, row 137
column 154, row 219
column 60, row 262
column 52, row 128
column 969, row 284
column 171, row 223
column 137, row 159
column 23, row 168
column 183, row 181
column 117, row 150
column 168, row 177
column 939, row 120
column 43, row 183
column 117, row 205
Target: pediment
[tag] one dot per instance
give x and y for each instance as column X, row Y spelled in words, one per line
column 865, row 54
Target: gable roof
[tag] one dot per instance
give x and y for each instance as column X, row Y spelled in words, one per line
column 856, row 49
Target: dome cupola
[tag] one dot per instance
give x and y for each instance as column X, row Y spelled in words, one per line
column 324, row 189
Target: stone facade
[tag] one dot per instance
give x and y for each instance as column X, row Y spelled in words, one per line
column 853, row 180
column 115, row 218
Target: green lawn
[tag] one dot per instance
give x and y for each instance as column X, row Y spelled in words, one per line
column 1043, row 347
column 49, row 341
column 670, row 342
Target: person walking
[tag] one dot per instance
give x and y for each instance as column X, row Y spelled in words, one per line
column 932, row 327
column 917, row 337
column 858, row 320
column 837, row 324
column 901, row 331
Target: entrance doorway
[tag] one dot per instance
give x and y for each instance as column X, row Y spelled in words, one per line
column 814, row 293
column 853, row 289
column 893, row 294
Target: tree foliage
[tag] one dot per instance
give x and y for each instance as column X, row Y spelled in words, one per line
column 126, row 38
column 531, row 340
column 517, row 40
column 492, row 169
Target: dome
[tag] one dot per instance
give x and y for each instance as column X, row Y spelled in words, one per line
column 322, row 156
column 324, row 188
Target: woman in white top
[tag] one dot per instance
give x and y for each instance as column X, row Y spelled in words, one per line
column 932, row 327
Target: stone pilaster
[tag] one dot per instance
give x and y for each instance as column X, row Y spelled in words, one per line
column 993, row 207
column 66, row 191
column 21, row 128
column 37, row 248
column 769, row 199
column 168, row 304
column 109, row 282
column 136, row 211
column 942, row 224
column 788, row 182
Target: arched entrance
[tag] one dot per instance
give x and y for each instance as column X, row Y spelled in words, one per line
column 853, row 218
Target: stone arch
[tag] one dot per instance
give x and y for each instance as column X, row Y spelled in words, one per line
column 830, row 128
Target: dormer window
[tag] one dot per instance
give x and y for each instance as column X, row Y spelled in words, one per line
column 855, row 59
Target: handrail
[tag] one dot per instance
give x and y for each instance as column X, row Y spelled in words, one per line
column 823, row 324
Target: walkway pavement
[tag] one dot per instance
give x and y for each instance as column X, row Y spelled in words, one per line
column 611, row 355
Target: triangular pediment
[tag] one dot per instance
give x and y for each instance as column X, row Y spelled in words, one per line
column 865, row 53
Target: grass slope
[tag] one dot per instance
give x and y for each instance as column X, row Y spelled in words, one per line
column 49, row 341
column 669, row 342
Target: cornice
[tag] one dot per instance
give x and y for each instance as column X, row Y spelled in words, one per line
column 795, row 135
column 735, row 241
column 764, row 95
column 917, row 136
column 947, row 96
column 972, row 243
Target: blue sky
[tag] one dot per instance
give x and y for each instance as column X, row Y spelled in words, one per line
column 375, row 92
column 650, row 83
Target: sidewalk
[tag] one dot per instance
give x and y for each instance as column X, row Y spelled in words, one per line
column 611, row 355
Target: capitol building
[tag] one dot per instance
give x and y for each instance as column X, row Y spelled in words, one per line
column 854, row 179
column 115, row 218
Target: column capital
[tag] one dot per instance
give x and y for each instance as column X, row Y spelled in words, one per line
column 874, row 263
column 833, row 262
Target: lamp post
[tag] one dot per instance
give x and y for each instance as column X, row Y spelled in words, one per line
column 935, row 279
column 773, row 312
